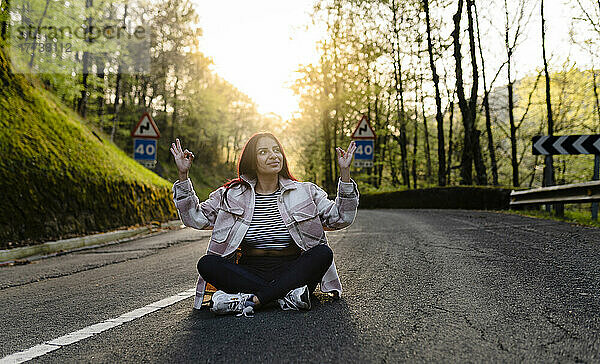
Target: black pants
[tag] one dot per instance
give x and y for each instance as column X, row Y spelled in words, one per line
column 269, row 278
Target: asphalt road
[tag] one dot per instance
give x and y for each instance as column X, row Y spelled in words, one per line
column 419, row 285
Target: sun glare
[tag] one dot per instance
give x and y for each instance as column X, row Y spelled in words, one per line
column 257, row 46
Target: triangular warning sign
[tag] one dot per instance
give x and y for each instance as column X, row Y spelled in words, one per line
column 146, row 128
column 363, row 130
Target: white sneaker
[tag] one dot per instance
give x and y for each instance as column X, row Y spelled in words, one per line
column 296, row 299
column 224, row 303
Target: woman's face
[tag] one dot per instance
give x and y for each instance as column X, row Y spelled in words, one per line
column 269, row 159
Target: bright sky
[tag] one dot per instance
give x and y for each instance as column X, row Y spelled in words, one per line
column 257, row 45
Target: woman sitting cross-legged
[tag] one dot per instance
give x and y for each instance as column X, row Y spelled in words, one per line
column 277, row 222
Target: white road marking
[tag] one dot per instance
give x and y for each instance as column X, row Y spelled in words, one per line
column 89, row 331
column 30, row 353
column 70, row 338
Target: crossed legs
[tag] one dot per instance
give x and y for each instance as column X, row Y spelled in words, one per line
column 268, row 278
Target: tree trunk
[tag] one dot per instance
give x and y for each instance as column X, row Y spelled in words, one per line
column 549, row 165
column 369, row 169
column 513, row 135
column 335, row 93
column 117, row 105
column 511, row 104
column 426, row 136
column 382, row 158
column 414, row 160
column 478, row 158
column 535, row 162
column 37, row 31
column 386, row 138
column 438, row 103
column 82, row 106
column 400, row 99
column 490, row 137
column 548, row 98
column 393, row 170
column 100, row 100
column 415, row 138
column 468, row 108
column 477, row 155
column 143, row 91
column 450, row 145
column 486, row 106
column 547, row 75
column 327, row 152
column 596, row 97
column 336, row 123
column 466, row 167
column 174, row 116
column 376, row 141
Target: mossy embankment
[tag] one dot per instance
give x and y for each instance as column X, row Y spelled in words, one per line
column 58, row 178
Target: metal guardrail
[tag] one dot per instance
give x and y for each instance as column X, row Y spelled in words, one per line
column 573, row 193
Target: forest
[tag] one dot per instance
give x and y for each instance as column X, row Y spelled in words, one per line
column 438, row 80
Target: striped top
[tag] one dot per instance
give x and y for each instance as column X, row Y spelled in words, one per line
column 267, row 230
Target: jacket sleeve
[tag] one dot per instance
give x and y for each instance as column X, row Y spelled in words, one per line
column 341, row 213
column 193, row 213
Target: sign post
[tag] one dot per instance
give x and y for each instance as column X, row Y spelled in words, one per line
column 569, row 145
column 145, row 137
column 364, row 137
column 596, row 177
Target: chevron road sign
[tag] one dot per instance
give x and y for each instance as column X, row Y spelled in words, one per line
column 566, row 144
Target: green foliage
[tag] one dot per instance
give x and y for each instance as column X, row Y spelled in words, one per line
column 186, row 99
column 371, row 62
column 574, row 112
column 582, row 218
column 60, row 178
column 370, row 47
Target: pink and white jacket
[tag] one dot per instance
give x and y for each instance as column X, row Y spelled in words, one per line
column 304, row 208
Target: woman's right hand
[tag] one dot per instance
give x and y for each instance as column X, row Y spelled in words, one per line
column 183, row 158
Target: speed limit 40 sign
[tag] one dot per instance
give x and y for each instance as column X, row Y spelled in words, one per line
column 145, row 134
column 363, row 155
column 364, row 149
column 144, row 149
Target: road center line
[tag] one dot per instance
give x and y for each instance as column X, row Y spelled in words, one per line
column 89, row 331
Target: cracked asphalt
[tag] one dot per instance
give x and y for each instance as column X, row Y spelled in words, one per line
column 419, row 286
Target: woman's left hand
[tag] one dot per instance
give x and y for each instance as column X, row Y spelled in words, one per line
column 344, row 158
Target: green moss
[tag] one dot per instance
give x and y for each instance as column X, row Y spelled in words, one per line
column 58, row 179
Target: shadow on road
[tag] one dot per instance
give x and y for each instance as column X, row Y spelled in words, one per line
column 271, row 335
